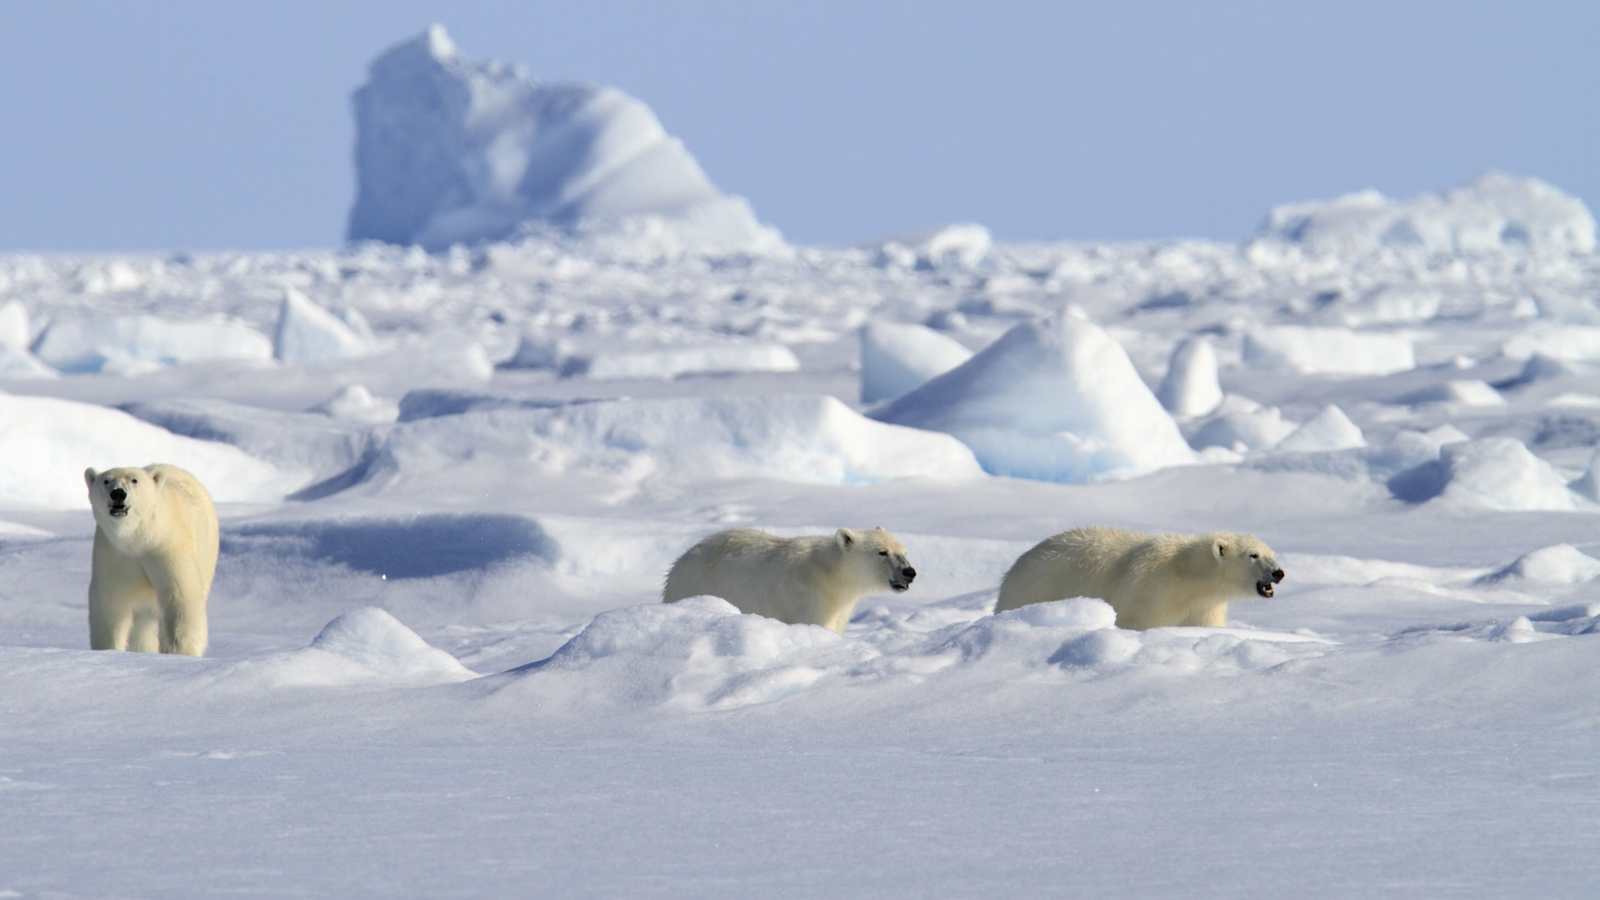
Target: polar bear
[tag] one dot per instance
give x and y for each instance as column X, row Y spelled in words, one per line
column 800, row 580
column 1150, row 580
column 155, row 553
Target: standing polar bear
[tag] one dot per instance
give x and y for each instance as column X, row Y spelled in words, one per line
column 155, row 553
column 800, row 580
column 1150, row 580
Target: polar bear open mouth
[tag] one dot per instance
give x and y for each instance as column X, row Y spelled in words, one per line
column 118, row 510
column 1264, row 588
column 898, row 586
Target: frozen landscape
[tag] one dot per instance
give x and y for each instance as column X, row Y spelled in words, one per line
column 452, row 479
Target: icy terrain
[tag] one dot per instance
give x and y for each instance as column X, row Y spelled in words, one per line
column 451, row 484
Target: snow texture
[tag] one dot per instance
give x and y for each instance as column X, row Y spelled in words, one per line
column 899, row 356
column 1191, row 387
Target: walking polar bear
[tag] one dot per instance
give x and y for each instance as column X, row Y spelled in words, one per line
column 155, row 554
column 1150, row 580
column 800, row 580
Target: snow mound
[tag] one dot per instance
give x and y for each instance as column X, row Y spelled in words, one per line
column 801, row 438
column 671, row 362
column 307, row 333
column 1493, row 473
column 1239, row 423
column 1327, row 431
column 1539, row 367
column 356, row 404
column 1558, row 564
column 960, row 246
column 365, row 646
column 53, row 441
column 15, row 331
column 696, row 654
column 16, row 363
column 1191, row 387
column 141, row 342
column 1571, row 343
column 1494, row 213
column 1588, row 484
column 1054, row 399
column 1320, row 351
column 450, row 150
column 899, row 356
column 1457, row 392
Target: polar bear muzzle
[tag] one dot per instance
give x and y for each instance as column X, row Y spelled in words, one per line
column 1265, row 588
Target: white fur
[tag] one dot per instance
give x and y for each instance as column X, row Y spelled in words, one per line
column 153, row 566
column 801, row 580
column 1150, row 580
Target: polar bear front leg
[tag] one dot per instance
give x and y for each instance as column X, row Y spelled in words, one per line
column 109, row 623
column 181, row 602
column 118, row 589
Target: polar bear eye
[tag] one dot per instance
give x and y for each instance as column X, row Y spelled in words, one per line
column 134, row 480
column 1252, row 556
column 883, row 553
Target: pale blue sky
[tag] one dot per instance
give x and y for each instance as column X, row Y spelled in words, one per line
column 220, row 124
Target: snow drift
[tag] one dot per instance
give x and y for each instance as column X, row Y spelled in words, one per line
column 450, row 150
column 899, row 356
column 1055, row 399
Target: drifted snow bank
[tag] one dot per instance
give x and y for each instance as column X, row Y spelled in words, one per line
column 899, row 356
column 54, row 440
column 671, row 362
column 802, row 438
column 1557, row 564
column 1191, row 387
column 1327, row 431
column 366, row 646
column 136, row 343
column 1492, row 473
column 450, row 150
column 701, row 654
column 1054, row 399
column 1494, row 213
column 1328, row 351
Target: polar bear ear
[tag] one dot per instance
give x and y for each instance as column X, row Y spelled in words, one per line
column 89, row 475
column 1219, row 547
column 155, row 475
column 845, row 537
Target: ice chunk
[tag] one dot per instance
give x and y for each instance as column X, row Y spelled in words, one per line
column 1313, row 351
column 1239, row 423
column 16, row 363
column 1460, row 392
column 307, row 333
column 142, row 342
column 1492, row 473
column 354, row 403
column 899, row 356
column 450, row 150
column 14, row 327
column 1328, row 430
column 1494, row 213
column 1555, row 342
column 1054, row 399
column 952, row 246
column 1191, row 388
column 1588, row 484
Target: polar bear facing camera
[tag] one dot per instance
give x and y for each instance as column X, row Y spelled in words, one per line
column 799, row 580
column 155, row 553
column 1151, row 580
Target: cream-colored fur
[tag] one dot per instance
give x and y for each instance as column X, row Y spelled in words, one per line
column 153, row 564
column 800, row 580
column 1151, row 580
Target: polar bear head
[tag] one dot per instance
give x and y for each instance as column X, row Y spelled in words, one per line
column 1249, row 562
column 875, row 559
column 123, row 499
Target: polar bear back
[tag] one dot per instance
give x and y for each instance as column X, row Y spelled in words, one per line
column 186, row 499
column 1150, row 580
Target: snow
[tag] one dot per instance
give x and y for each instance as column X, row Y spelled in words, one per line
column 1327, row 431
column 1318, row 351
column 137, row 343
column 450, row 150
column 1056, row 399
column 1191, row 388
column 1496, row 212
column 438, row 665
column 15, row 331
column 959, row 246
column 307, row 333
column 899, row 356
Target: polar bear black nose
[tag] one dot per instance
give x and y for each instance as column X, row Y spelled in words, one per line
column 118, row 495
column 909, row 572
column 1277, row 575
